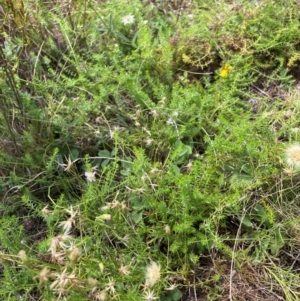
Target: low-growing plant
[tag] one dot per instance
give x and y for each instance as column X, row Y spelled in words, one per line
column 139, row 138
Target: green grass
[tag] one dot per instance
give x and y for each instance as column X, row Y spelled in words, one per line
column 146, row 150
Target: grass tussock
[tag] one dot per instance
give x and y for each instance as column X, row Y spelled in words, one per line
column 149, row 150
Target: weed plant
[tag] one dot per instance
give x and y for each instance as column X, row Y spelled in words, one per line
column 149, row 148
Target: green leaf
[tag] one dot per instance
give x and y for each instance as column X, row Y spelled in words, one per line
column 278, row 242
column 104, row 163
column 122, row 37
column 246, row 222
column 111, row 25
column 127, row 164
column 125, row 172
column 114, row 152
column 137, row 216
column 74, row 154
column 175, row 169
column 104, row 153
column 279, row 239
column 175, row 295
column 138, row 206
column 165, row 298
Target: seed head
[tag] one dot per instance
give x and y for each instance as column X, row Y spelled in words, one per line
column 67, row 225
column 46, row 211
column 62, row 281
column 74, row 255
column 293, row 155
column 123, row 270
column 100, row 295
column 58, row 242
column 111, row 286
column 44, row 275
column 23, row 256
column 152, row 274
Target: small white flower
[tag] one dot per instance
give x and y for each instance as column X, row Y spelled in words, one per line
column 170, row 121
column 69, row 165
column 123, row 270
column 128, row 19
column 111, row 286
column 149, row 296
column 67, row 225
column 148, row 141
column 90, row 176
column 46, row 211
column 62, row 281
column 71, row 212
column 58, row 242
column 172, row 287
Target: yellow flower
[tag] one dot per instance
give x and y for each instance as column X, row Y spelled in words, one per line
column 225, row 70
column 186, row 59
column 101, row 267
